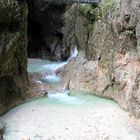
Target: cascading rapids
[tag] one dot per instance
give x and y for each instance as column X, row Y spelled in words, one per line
column 51, row 76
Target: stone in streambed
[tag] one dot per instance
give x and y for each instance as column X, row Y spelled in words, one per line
column 2, row 129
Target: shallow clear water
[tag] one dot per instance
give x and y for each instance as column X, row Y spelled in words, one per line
column 54, row 66
column 48, row 68
column 65, row 99
column 45, row 66
column 61, row 116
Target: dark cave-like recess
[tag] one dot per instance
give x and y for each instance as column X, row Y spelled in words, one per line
column 45, row 30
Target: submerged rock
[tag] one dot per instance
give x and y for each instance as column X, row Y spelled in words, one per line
column 2, row 129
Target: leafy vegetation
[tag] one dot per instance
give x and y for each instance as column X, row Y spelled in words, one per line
column 106, row 7
column 10, row 13
column 89, row 11
column 95, row 12
column 129, row 33
column 109, row 4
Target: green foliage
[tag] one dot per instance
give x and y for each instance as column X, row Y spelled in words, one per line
column 108, row 5
column 129, row 33
column 9, row 12
column 89, row 11
column 101, row 11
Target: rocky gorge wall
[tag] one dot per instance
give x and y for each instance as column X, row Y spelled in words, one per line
column 108, row 63
column 13, row 53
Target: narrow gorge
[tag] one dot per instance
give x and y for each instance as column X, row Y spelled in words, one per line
column 69, row 70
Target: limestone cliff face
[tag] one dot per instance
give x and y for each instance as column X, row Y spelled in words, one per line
column 13, row 58
column 110, row 41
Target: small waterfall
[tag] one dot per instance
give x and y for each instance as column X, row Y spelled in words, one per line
column 73, row 53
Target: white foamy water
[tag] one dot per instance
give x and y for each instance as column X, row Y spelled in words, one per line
column 54, row 66
column 64, row 98
column 51, row 79
column 51, row 68
column 73, row 53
